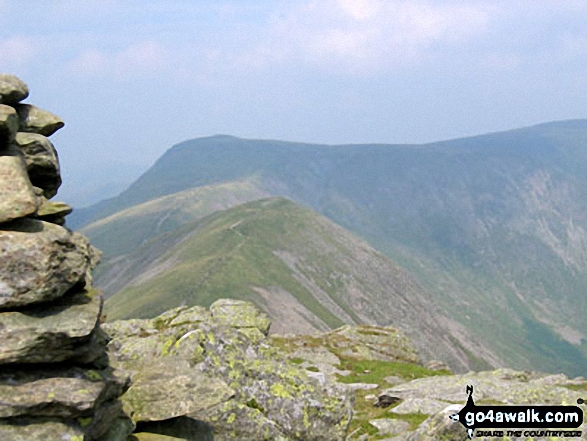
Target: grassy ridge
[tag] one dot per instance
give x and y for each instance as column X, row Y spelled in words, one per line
column 305, row 271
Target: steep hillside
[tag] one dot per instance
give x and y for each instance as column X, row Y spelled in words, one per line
column 306, row 272
column 494, row 226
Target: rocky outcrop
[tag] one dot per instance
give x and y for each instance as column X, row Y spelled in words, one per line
column 214, row 374
column 55, row 381
column 398, row 398
column 218, row 371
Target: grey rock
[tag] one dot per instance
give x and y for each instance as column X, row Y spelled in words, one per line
column 40, row 262
column 502, row 385
column 17, row 197
column 120, row 429
column 66, row 392
column 8, row 124
column 239, row 314
column 272, row 399
column 440, row 427
column 64, row 330
column 40, row 430
column 436, row 365
column 420, row 405
column 53, row 212
column 362, row 386
column 388, row 426
column 236, row 421
column 177, row 429
column 12, row 89
column 36, row 120
column 41, row 160
column 373, row 343
column 168, row 388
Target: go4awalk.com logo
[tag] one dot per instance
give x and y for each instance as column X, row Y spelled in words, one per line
column 519, row 421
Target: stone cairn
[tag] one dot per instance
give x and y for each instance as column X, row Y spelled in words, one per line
column 55, row 380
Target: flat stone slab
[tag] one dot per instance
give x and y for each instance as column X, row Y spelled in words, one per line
column 12, row 90
column 40, row 262
column 59, row 392
column 53, row 333
column 54, row 212
column 36, row 120
column 17, row 197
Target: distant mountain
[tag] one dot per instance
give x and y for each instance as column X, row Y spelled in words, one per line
column 308, row 273
column 493, row 227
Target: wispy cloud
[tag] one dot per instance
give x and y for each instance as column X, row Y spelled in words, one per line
column 364, row 34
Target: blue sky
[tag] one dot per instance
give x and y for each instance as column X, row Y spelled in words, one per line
column 131, row 78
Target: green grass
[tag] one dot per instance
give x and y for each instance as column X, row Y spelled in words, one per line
column 414, row 419
column 577, row 387
column 364, row 411
column 375, row 371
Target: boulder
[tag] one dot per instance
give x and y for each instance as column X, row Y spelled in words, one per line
column 63, row 330
column 239, row 314
column 17, row 197
column 8, row 124
column 373, row 343
column 168, row 388
column 12, row 90
column 36, row 120
column 41, row 160
column 40, row 262
column 271, row 398
column 302, row 407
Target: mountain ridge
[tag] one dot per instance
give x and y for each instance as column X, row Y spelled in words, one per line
column 306, row 272
column 494, row 226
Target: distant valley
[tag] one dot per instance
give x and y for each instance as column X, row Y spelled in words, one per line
column 483, row 239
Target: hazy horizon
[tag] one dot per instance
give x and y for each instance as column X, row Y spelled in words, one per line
column 130, row 79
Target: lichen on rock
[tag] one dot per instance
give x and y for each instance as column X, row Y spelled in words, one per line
column 227, row 350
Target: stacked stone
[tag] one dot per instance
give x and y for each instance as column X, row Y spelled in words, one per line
column 55, row 381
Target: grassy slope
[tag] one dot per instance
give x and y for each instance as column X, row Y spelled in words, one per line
column 287, row 251
column 494, row 226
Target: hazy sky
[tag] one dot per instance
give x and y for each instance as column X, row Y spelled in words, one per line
column 132, row 78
